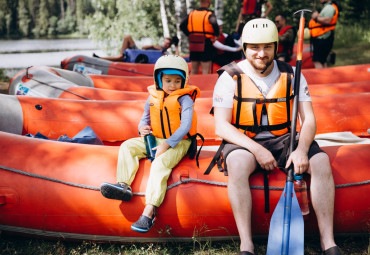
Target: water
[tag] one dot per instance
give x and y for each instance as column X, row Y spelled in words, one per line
column 16, row 55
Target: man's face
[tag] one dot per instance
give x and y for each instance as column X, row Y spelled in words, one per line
column 260, row 56
column 280, row 22
column 166, row 43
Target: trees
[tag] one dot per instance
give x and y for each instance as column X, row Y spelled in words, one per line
column 109, row 20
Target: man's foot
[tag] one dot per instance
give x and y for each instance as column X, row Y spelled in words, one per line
column 119, row 191
column 95, row 56
column 332, row 251
column 143, row 225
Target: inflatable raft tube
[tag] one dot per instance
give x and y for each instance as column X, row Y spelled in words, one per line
column 51, row 189
column 116, row 121
column 58, row 83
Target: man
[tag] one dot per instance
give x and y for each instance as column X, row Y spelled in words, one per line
column 286, row 38
column 129, row 43
column 202, row 29
column 255, row 138
column 251, row 9
column 322, row 28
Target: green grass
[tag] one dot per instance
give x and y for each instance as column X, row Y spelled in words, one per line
column 350, row 245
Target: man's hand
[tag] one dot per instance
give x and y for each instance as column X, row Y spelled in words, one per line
column 265, row 159
column 299, row 158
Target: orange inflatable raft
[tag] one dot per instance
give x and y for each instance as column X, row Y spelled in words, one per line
column 58, row 83
column 115, row 121
column 49, row 76
column 51, row 189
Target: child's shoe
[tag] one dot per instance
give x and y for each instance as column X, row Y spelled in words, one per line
column 119, row 191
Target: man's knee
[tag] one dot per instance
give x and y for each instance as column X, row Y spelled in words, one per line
column 240, row 163
column 320, row 162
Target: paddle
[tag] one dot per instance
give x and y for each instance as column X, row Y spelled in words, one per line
column 287, row 217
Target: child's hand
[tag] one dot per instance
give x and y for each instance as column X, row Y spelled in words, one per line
column 145, row 130
column 161, row 148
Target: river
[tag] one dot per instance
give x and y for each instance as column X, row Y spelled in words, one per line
column 16, row 55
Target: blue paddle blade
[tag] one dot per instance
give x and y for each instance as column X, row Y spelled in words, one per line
column 296, row 237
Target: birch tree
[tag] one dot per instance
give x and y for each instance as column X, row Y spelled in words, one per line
column 162, row 8
column 219, row 9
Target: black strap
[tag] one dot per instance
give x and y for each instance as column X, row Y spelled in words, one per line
column 216, row 159
column 193, row 147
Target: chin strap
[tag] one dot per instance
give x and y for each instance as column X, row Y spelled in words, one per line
column 266, row 68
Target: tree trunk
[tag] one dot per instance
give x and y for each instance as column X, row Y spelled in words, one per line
column 181, row 13
column 166, row 30
column 62, row 13
column 219, row 9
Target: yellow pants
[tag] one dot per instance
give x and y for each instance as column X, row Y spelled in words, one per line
column 132, row 150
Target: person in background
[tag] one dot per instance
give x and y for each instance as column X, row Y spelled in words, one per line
column 322, row 26
column 228, row 49
column 129, row 43
column 251, row 9
column 287, row 36
column 173, row 137
column 252, row 117
column 202, row 29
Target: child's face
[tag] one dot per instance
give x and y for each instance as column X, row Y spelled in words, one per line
column 171, row 82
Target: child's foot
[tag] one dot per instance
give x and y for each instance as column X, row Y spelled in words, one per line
column 95, row 56
column 144, row 224
column 119, row 191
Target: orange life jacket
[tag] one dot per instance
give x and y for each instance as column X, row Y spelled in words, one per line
column 249, row 102
column 165, row 113
column 317, row 29
column 199, row 23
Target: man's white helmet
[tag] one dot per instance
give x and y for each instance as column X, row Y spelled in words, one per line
column 260, row 31
column 171, row 62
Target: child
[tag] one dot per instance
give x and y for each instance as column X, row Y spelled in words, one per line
column 171, row 98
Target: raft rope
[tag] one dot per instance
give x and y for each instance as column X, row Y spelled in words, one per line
column 182, row 181
column 113, row 67
column 55, row 87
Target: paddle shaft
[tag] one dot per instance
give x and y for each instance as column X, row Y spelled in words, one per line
column 290, row 178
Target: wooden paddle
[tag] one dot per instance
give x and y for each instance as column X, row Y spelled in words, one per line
column 287, row 217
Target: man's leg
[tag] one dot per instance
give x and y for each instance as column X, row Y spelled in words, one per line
column 240, row 165
column 322, row 197
column 206, row 67
column 195, row 67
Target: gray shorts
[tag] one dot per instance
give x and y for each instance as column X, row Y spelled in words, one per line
column 276, row 146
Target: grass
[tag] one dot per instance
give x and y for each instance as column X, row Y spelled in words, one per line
column 350, row 245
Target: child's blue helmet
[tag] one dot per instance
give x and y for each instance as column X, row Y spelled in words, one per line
column 170, row 64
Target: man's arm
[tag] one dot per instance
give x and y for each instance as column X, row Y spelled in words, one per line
column 269, row 9
column 225, row 130
column 184, row 26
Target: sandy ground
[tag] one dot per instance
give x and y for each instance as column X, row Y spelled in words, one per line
column 4, row 87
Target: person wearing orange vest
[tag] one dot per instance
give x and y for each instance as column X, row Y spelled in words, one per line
column 286, row 38
column 252, row 103
column 202, row 29
column 251, row 9
column 322, row 26
column 168, row 115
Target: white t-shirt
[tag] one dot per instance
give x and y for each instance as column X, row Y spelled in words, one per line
column 223, row 94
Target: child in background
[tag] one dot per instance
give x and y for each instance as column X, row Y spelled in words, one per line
column 171, row 98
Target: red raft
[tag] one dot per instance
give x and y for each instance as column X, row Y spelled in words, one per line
column 51, row 189
column 116, row 121
column 57, row 83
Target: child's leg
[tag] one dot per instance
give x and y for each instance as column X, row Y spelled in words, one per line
column 130, row 152
column 160, row 171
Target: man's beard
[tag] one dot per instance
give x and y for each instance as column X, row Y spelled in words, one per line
column 261, row 66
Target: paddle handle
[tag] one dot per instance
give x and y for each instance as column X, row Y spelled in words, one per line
column 297, row 81
column 293, row 133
